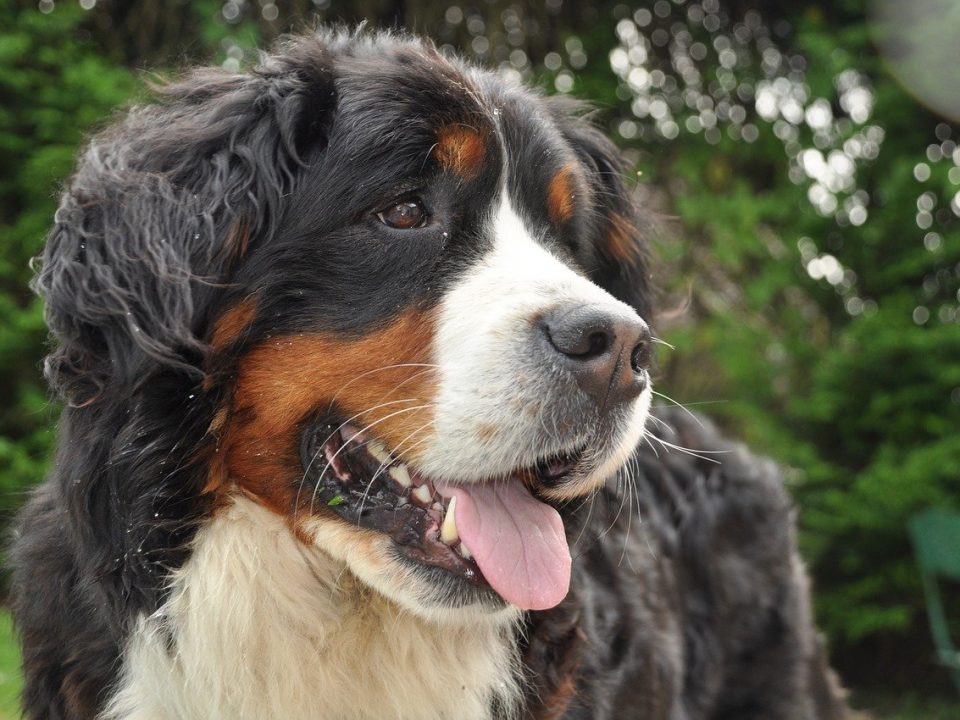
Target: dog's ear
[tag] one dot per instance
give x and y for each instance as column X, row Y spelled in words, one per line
column 159, row 208
column 618, row 230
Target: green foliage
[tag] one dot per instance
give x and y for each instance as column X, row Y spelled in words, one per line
column 910, row 706
column 10, row 679
column 53, row 89
column 880, row 411
column 851, row 382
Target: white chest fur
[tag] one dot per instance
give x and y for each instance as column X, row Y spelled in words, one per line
column 260, row 626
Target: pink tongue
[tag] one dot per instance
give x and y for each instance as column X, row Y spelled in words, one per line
column 517, row 541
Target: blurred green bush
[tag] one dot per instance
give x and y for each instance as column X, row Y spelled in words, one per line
column 809, row 237
column 53, row 89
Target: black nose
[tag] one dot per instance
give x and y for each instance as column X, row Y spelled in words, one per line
column 607, row 349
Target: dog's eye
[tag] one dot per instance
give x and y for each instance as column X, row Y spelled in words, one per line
column 404, row 215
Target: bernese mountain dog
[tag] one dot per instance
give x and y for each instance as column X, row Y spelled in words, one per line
column 355, row 358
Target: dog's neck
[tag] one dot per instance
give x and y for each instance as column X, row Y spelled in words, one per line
column 259, row 625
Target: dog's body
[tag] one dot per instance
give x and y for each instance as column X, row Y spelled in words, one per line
column 357, row 376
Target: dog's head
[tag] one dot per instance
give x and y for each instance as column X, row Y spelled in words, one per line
column 403, row 298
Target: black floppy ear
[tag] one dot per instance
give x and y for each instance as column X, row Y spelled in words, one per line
column 148, row 228
column 618, row 230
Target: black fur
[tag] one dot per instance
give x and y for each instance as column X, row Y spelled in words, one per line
column 689, row 597
column 233, row 184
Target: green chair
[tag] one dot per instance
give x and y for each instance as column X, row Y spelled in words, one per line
column 936, row 541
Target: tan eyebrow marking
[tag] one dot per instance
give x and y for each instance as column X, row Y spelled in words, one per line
column 560, row 195
column 460, row 149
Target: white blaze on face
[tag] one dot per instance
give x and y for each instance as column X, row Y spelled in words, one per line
column 498, row 400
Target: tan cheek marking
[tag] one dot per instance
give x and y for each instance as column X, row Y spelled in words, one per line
column 621, row 240
column 285, row 380
column 231, row 325
column 560, row 196
column 228, row 328
column 460, row 149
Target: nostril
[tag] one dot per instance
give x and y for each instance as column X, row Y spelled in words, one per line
column 605, row 348
column 642, row 356
column 579, row 335
column 597, row 344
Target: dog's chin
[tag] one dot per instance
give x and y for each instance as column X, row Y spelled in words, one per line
column 397, row 530
column 617, row 453
column 425, row 591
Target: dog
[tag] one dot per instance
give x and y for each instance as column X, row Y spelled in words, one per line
column 356, row 365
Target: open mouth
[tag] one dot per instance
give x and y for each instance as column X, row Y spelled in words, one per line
column 495, row 536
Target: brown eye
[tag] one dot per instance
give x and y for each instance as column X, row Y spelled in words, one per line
column 404, row 215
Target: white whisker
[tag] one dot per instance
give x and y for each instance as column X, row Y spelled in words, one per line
column 697, row 420
column 361, row 431
column 327, row 439
column 652, row 446
column 384, row 465
column 427, row 366
column 689, row 451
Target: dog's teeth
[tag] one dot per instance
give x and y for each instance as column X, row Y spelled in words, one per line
column 423, row 494
column 401, row 475
column 448, row 530
column 376, row 448
column 464, row 550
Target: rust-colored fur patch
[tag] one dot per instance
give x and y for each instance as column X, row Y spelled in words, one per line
column 460, row 149
column 621, row 240
column 384, row 379
column 217, row 473
column 237, row 241
column 556, row 705
column 555, row 641
column 232, row 323
column 560, row 195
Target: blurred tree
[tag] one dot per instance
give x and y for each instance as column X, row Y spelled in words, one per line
column 53, row 88
column 818, row 236
column 810, row 234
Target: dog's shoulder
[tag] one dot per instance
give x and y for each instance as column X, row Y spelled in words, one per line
column 69, row 649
